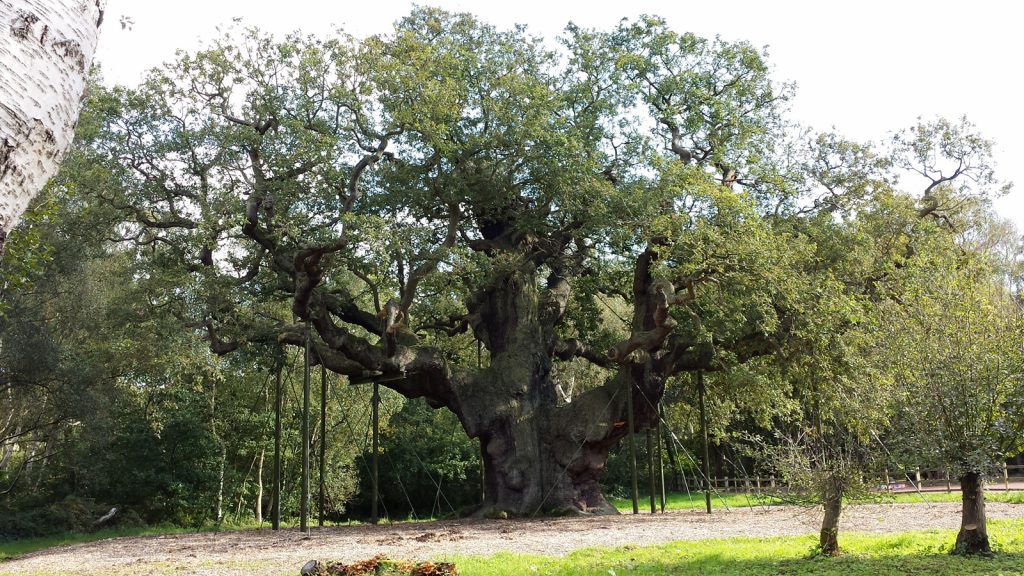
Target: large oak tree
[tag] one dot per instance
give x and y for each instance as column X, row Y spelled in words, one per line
column 408, row 194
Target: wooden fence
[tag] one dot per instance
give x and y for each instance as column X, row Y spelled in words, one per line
column 1010, row 478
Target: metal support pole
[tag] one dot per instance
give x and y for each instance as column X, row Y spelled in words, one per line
column 304, row 501
column 704, row 434
column 323, row 440
column 483, row 448
column 661, row 460
column 275, row 511
column 375, row 478
column 650, row 471
column 632, row 447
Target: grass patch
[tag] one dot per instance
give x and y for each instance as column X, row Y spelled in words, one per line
column 12, row 548
column 695, row 500
column 923, row 552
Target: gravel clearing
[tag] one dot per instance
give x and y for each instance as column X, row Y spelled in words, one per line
column 266, row 553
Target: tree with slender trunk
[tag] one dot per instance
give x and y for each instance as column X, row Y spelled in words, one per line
column 954, row 342
column 46, row 49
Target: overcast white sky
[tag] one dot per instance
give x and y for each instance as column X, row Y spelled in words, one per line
column 867, row 68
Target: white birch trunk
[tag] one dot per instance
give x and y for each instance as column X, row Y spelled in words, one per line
column 8, row 449
column 46, row 48
column 220, row 485
column 259, row 488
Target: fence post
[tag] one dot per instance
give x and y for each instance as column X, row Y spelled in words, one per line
column 661, row 461
column 275, row 510
column 323, row 441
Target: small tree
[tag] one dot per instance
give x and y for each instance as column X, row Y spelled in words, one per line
column 841, row 399
column 953, row 344
column 824, row 468
column 836, row 396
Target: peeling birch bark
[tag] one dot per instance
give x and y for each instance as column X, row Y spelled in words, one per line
column 46, row 49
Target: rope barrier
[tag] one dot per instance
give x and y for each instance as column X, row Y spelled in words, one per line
column 398, row 476
column 688, row 455
column 362, row 458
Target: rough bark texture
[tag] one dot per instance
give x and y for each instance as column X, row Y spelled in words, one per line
column 973, row 536
column 537, row 455
column 540, row 456
column 46, row 48
column 828, row 540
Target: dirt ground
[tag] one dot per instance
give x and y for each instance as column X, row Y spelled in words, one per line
column 268, row 553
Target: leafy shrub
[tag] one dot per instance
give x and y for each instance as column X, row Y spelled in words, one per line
column 72, row 514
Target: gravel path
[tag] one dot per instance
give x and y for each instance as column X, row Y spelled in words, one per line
column 266, row 553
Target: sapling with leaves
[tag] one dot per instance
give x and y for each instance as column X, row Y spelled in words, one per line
column 824, row 447
column 953, row 344
column 823, row 468
column 947, row 317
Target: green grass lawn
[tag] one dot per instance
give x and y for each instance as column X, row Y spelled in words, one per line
column 12, row 548
column 695, row 500
column 925, row 552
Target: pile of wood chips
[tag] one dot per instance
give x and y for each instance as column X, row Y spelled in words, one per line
column 379, row 565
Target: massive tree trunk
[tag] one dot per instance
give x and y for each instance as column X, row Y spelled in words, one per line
column 551, row 458
column 973, row 536
column 540, row 455
column 46, row 48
